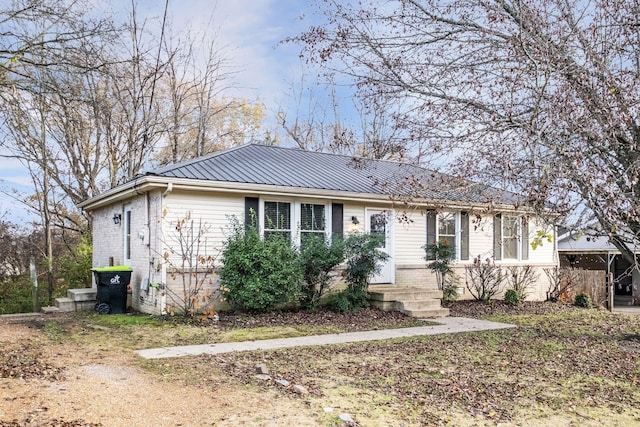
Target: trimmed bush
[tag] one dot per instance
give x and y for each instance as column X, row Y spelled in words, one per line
column 259, row 274
column 450, row 289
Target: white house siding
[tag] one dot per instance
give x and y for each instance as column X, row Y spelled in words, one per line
column 480, row 237
column 212, row 210
column 214, row 213
column 481, row 245
column 410, row 232
column 152, row 238
column 350, row 210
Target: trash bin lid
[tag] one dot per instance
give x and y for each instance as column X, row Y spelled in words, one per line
column 112, row 268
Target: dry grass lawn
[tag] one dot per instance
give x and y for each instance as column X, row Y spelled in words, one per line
column 561, row 366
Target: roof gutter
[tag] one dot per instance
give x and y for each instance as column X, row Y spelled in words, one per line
column 149, row 183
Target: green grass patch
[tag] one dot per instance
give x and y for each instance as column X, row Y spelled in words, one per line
column 121, row 320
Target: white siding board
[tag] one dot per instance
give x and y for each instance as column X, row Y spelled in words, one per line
column 481, row 237
column 351, row 210
column 410, row 233
column 214, row 210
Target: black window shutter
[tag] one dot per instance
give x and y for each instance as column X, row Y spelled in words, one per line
column 464, row 236
column 431, row 231
column 525, row 238
column 497, row 237
column 337, row 219
column 251, row 212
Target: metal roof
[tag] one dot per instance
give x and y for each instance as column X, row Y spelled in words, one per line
column 289, row 167
column 577, row 242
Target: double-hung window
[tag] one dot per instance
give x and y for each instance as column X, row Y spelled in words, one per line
column 451, row 228
column 297, row 222
column 277, row 220
column 447, row 230
column 312, row 222
column 511, row 237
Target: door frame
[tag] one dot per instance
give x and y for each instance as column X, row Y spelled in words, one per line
column 387, row 274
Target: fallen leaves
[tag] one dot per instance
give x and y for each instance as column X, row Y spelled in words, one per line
column 23, row 361
column 558, row 357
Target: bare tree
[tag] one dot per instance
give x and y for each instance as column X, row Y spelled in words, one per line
column 541, row 96
column 342, row 127
column 29, row 27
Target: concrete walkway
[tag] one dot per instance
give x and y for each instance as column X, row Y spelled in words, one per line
column 446, row 325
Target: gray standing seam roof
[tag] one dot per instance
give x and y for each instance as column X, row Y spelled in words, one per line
column 288, row 167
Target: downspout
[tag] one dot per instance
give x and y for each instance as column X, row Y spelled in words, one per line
column 163, row 297
column 168, row 190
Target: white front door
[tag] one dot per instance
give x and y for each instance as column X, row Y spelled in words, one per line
column 380, row 221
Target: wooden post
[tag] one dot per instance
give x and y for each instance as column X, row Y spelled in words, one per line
column 610, row 291
column 34, row 284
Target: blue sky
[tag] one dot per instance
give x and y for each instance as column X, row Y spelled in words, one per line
column 252, row 29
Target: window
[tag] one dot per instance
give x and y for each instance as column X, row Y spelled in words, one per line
column 510, row 237
column 452, row 227
column 447, row 230
column 127, row 235
column 378, row 226
column 277, row 219
column 312, row 222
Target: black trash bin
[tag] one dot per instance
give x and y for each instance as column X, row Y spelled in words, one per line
column 112, row 285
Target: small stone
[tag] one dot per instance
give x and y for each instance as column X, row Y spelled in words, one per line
column 263, row 377
column 300, row 389
column 346, row 418
column 283, row 383
column 328, row 409
column 262, row 369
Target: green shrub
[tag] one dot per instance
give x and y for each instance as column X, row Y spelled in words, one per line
column 348, row 300
column 363, row 259
column 340, row 302
column 259, row 274
column 513, row 297
column 318, row 258
column 450, row 289
column 440, row 256
column 582, row 300
column 75, row 267
column 16, row 294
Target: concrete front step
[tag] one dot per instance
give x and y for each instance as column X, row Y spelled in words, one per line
column 65, row 304
column 402, row 294
column 427, row 314
column 429, row 304
column 415, row 302
column 49, row 309
column 84, row 294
